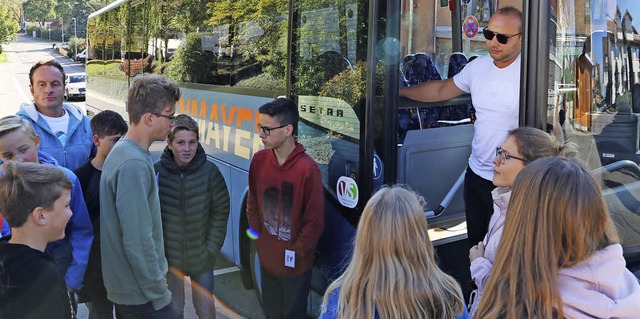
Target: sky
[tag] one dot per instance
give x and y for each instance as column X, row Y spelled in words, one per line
column 634, row 8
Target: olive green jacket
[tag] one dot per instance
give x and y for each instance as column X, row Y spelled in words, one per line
column 195, row 209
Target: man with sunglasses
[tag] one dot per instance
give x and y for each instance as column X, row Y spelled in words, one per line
column 494, row 84
column 285, row 211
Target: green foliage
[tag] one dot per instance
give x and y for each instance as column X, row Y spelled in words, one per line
column 8, row 26
column 191, row 63
column 81, row 44
column 40, row 10
column 263, row 81
column 350, row 85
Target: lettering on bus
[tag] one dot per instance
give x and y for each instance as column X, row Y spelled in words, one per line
column 231, row 129
column 329, row 111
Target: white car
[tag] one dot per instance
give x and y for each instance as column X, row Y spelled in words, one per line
column 75, row 85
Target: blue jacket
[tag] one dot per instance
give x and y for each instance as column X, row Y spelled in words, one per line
column 72, row 252
column 79, row 145
column 332, row 308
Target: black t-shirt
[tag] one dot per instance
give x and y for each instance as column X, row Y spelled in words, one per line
column 30, row 285
column 89, row 178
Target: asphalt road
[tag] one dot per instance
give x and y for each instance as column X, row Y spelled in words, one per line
column 232, row 300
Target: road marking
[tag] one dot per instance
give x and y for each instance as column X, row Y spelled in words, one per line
column 225, row 271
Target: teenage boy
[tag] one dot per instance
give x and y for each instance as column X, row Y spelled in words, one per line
column 130, row 221
column 285, row 206
column 30, row 284
column 19, row 142
column 63, row 128
column 108, row 127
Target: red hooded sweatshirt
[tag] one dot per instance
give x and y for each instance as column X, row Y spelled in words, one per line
column 285, row 205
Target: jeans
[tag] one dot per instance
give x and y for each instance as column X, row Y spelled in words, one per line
column 285, row 297
column 201, row 289
column 145, row 311
column 478, row 204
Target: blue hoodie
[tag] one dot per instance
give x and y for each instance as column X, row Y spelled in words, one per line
column 79, row 145
column 71, row 252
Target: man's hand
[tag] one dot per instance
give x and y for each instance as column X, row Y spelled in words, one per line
column 476, row 251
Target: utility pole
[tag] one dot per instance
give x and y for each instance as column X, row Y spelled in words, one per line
column 75, row 43
column 62, row 29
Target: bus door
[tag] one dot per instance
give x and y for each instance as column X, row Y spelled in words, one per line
column 593, row 100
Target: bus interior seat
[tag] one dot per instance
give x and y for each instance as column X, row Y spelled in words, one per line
column 430, row 161
column 419, row 68
column 616, row 136
column 621, row 193
column 457, row 62
column 331, row 63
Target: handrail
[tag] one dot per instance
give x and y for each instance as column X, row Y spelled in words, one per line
column 405, row 103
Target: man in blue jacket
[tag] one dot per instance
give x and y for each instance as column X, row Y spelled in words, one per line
column 64, row 130
column 19, row 142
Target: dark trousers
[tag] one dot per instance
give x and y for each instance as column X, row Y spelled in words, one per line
column 285, row 297
column 145, row 311
column 478, row 204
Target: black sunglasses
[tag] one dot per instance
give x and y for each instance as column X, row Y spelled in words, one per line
column 502, row 38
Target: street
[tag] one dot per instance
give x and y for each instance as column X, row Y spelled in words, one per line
column 232, row 300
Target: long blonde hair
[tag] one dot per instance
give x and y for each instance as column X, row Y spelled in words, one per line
column 556, row 219
column 393, row 270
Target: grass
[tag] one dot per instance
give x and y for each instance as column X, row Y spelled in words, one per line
column 3, row 57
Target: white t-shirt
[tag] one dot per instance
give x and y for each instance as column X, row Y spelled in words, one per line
column 58, row 125
column 496, row 97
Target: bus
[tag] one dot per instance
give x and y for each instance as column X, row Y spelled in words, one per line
column 342, row 62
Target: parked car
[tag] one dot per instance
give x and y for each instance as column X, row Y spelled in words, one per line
column 64, row 45
column 75, row 85
column 82, row 56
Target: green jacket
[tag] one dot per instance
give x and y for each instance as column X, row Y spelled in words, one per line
column 194, row 202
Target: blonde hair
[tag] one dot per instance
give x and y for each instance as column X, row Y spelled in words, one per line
column 12, row 123
column 556, row 219
column 393, row 270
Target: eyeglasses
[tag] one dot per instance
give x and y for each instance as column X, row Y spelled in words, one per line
column 502, row 38
column 267, row 130
column 503, row 156
column 171, row 118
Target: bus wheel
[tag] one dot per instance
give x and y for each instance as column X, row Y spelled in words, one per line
column 255, row 271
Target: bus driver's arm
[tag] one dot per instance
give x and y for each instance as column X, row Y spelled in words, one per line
column 432, row 91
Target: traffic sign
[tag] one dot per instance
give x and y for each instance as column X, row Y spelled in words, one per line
column 470, row 27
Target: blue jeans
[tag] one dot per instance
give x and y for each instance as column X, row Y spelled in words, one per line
column 201, row 292
column 145, row 311
column 285, row 297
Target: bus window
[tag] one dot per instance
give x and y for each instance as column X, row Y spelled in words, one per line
column 106, row 83
column 428, row 54
column 594, row 97
column 328, row 83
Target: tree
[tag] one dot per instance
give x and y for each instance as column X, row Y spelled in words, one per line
column 40, row 10
column 8, row 25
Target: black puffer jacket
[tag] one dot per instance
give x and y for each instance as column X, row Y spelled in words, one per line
column 195, row 210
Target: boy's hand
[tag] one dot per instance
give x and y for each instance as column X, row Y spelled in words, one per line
column 476, row 251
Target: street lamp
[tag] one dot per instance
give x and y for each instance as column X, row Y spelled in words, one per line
column 75, row 43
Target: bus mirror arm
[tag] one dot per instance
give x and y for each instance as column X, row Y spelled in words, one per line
column 447, row 199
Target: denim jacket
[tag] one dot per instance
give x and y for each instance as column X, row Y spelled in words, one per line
column 79, row 145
